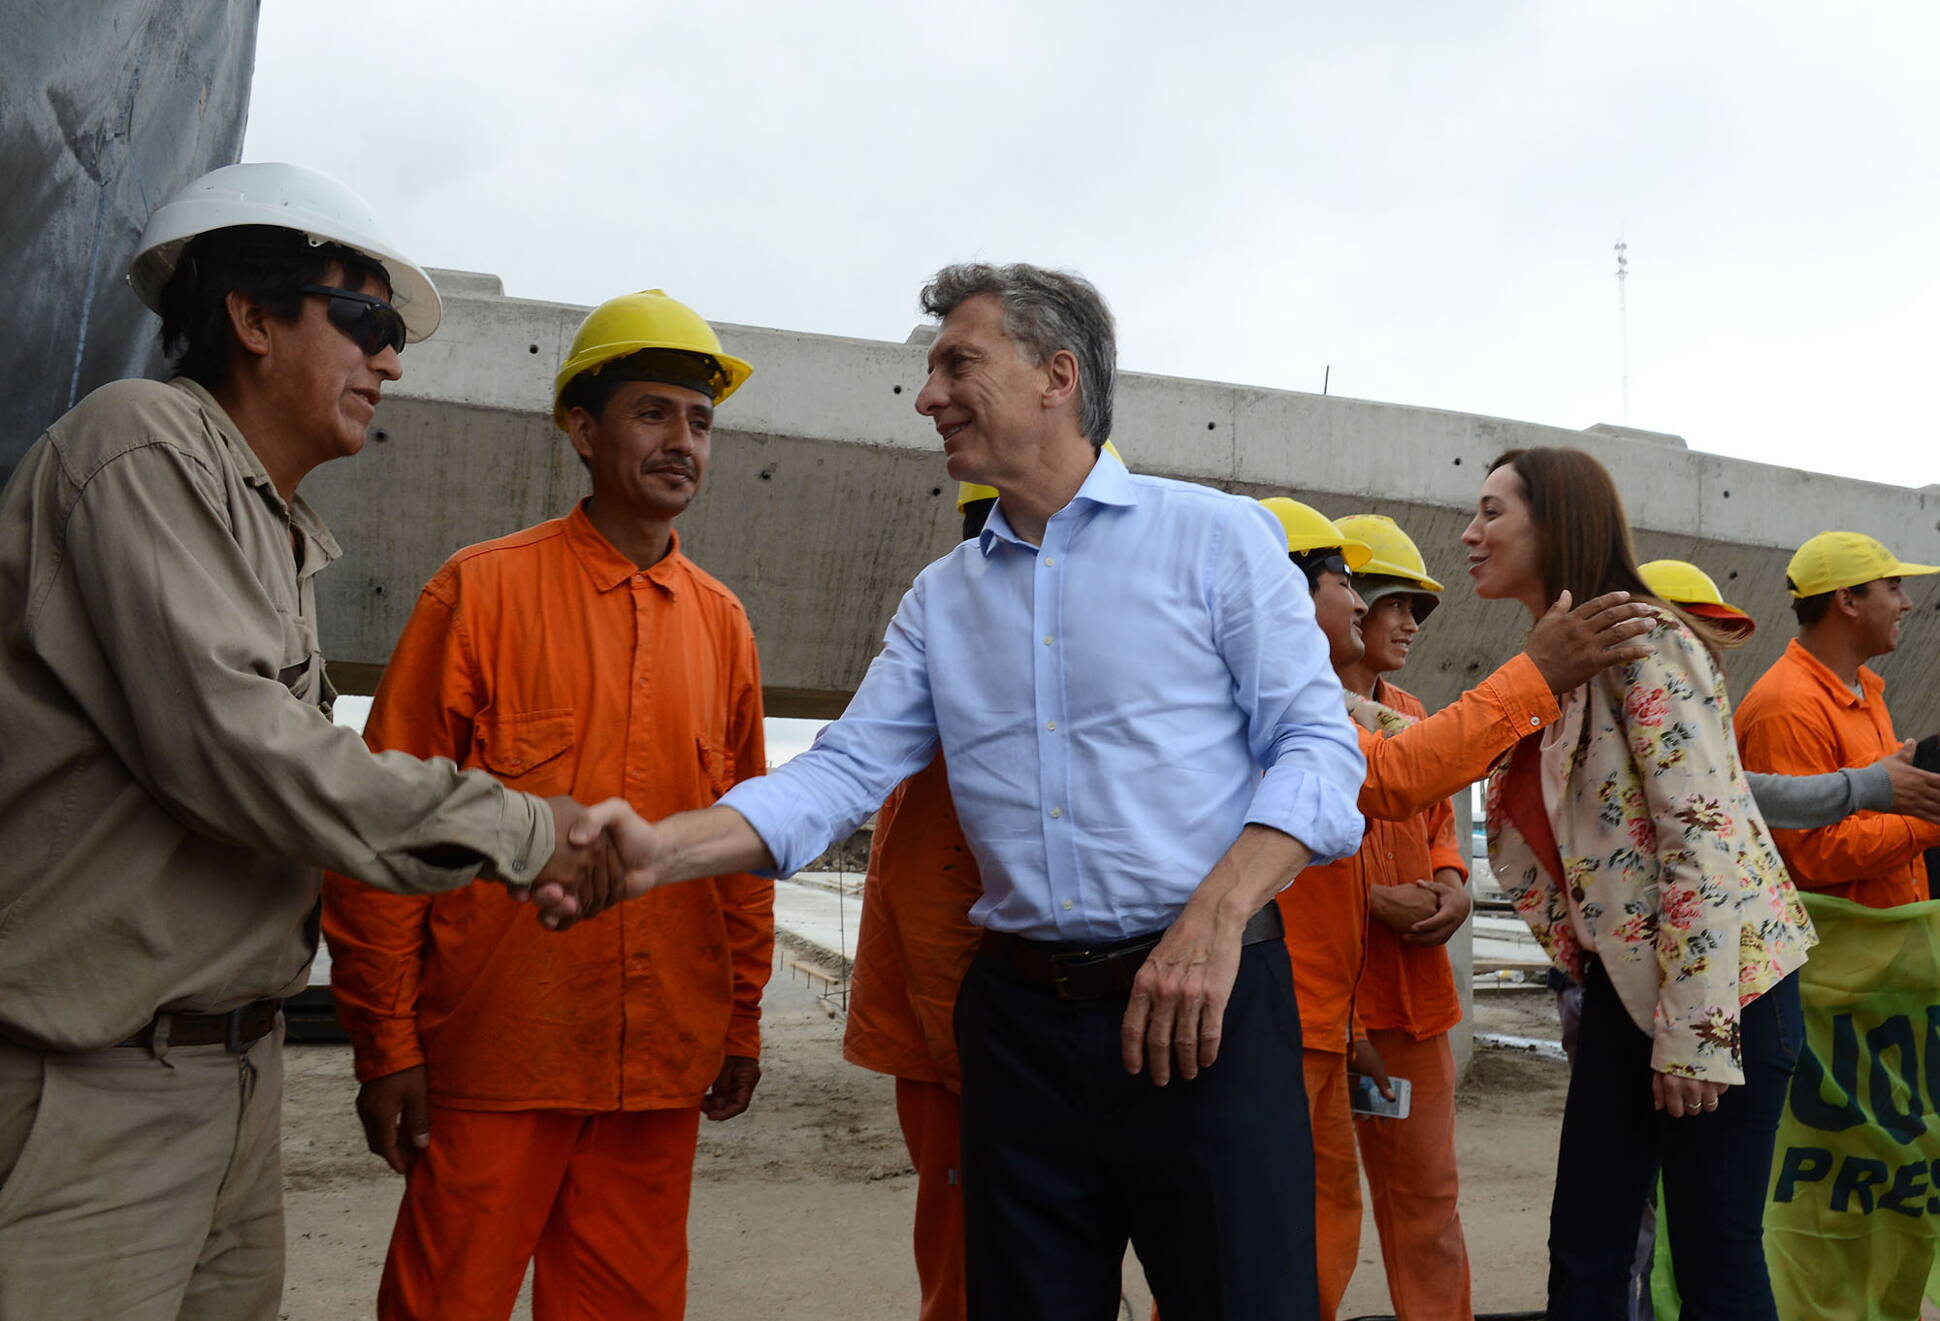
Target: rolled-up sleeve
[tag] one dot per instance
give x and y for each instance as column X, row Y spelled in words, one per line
column 887, row 734
column 196, row 646
column 1285, row 683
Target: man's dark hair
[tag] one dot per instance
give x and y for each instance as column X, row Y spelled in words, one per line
column 593, row 390
column 1809, row 610
column 1044, row 311
column 1313, row 563
column 975, row 514
column 266, row 262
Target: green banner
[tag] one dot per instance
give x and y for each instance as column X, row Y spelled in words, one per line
column 1854, row 1209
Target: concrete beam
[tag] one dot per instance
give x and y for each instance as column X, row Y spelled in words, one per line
column 827, row 494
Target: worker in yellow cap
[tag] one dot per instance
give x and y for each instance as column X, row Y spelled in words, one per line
column 1406, row 1003
column 542, row 1097
column 1819, row 708
column 1693, row 591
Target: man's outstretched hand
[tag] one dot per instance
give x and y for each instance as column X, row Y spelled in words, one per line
column 1915, row 792
column 1571, row 646
column 584, row 877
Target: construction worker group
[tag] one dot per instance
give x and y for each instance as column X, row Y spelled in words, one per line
column 1164, row 868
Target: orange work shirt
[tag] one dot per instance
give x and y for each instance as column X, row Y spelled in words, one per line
column 1412, row 768
column 1409, row 988
column 551, row 661
column 1801, row 719
column 916, row 940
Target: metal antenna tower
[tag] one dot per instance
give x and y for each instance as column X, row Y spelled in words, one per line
column 1623, row 324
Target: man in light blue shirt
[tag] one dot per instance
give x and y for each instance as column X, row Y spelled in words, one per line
column 1146, row 742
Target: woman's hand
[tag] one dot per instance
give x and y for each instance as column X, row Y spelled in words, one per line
column 1678, row 1097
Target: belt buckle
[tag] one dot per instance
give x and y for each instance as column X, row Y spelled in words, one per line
column 1072, row 959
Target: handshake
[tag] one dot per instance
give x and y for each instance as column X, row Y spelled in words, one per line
column 600, row 855
column 608, row 852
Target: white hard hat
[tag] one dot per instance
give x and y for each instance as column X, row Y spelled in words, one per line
column 289, row 197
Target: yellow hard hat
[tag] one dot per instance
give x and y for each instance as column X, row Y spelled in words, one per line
column 1833, row 560
column 971, row 492
column 1309, row 529
column 650, row 319
column 1684, row 584
column 1395, row 554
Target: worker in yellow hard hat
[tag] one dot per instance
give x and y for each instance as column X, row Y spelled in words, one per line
column 1326, row 914
column 1405, row 1000
column 1820, row 707
column 587, row 654
column 1693, row 591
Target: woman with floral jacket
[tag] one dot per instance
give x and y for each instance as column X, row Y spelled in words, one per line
column 1627, row 837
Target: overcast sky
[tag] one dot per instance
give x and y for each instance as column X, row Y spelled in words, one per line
column 1423, row 195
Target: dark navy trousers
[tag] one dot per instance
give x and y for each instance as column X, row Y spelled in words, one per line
column 1066, row 1157
column 1716, row 1166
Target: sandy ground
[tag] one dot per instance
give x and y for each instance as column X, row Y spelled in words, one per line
column 802, row 1207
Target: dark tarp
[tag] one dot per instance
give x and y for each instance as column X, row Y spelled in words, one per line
column 105, row 109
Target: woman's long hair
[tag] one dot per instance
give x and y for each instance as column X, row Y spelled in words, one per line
column 1582, row 534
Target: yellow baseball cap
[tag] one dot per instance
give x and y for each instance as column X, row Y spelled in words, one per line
column 1833, row 560
column 1685, row 585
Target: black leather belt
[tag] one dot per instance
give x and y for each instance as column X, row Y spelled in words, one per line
column 239, row 1029
column 1078, row 972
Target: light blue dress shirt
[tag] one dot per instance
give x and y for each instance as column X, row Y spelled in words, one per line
column 1114, row 706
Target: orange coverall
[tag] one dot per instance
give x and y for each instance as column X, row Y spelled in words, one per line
column 1411, row 771
column 565, row 1069
column 1801, row 719
column 915, row 945
column 1406, row 1004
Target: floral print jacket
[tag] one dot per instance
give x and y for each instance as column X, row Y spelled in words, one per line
column 1656, row 834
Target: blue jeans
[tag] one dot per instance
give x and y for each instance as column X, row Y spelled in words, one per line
column 1717, row 1166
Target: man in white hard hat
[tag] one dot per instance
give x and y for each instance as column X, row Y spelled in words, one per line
column 171, row 783
column 587, row 655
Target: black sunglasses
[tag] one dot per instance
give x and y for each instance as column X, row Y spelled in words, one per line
column 371, row 323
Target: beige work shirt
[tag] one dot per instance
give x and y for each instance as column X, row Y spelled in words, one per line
column 171, row 785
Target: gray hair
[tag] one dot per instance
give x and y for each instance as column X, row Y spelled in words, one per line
column 1044, row 311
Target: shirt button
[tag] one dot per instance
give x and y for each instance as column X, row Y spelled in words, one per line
column 639, row 577
column 1535, row 720
column 1050, row 562
column 1056, row 812
column 1047, row 639
column 1067, row 905
column 1051, row 724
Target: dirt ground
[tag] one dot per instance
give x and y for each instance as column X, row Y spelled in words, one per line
column 802, row 1207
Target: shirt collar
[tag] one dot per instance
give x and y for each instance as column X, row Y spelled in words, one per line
column 1108, row 483
column 1871, row 684
column 608, row 568
column 298, row 511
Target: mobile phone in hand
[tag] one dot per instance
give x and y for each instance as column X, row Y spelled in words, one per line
column 1364, row 1097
